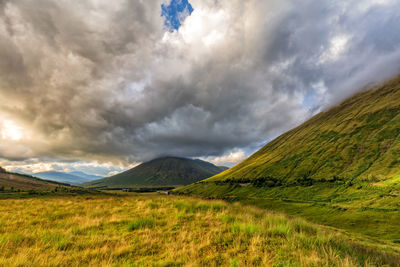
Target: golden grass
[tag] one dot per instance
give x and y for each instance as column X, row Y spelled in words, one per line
column 170, row 231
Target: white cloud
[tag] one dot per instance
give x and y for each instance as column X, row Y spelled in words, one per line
column 34, row 166
column 230, row 159
column 337, row 46
column 366, row 5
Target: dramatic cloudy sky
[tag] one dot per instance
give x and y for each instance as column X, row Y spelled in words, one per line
column 101, row 85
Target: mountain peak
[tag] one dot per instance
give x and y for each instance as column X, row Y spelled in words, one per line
column 163, row 171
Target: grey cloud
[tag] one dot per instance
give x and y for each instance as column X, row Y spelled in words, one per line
column 104, row 81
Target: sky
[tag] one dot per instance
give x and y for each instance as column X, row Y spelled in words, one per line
column 100, row 86
column 175, row 12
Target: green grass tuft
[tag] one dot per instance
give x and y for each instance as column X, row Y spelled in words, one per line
column 141, row 223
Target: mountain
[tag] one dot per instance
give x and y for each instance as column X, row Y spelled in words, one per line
column 85, row 176
column 340, row 168
column 71, row 178
column 166, row 171
column 358, row 139
column 223, row 168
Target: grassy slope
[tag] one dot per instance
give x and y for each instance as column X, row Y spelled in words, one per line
column 341, row 168
column 169, row 171
column 18, row 186
column 358, row 139
column 172, row 231
column 25, row 182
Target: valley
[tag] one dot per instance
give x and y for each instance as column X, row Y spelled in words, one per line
column 325, row 193
column 335, row 177
column 190, row 133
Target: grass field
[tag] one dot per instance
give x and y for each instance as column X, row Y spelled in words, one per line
column 362, row 207
column 153, row 230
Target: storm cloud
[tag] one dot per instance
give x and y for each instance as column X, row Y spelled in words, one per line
column 105, row 80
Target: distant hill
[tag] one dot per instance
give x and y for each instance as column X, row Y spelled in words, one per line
column 67, row 177
column 166, row 171
column 85, row 175
column 24, row 182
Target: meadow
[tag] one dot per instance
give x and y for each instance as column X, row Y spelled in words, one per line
column 157, row 230
column 364, row 207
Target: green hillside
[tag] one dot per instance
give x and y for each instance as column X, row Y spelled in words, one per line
column 359, row 139
column 167, row 171
column 20, row 182
column 340, row 168
column 15, row 185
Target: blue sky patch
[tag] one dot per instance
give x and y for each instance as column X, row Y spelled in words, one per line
column 175, row 13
